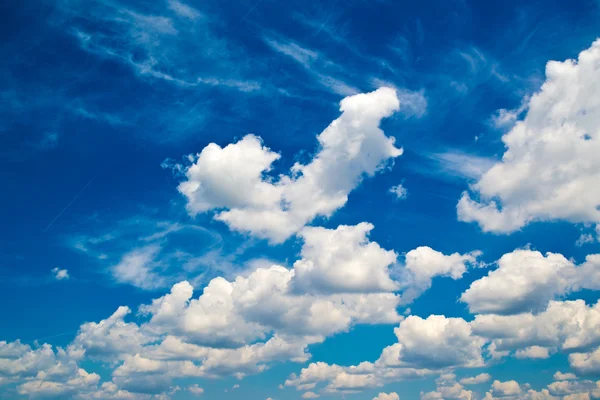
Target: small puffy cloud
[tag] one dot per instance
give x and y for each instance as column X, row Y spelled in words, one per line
column 559, row 376
column 387, row 396
column 533, row 352
column 399, row 191
column 195, row 390
column 232, row 179
column 310, row 395
column 558, row 136
column 475, row 380
column 60, row 274
column 353, row 378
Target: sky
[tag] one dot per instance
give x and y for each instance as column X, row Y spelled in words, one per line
column 267, row 200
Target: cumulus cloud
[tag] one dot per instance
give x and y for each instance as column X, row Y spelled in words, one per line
column 533, row 352
column 387, row 396
column 350, row 379
column 559, row 376
column 195, row 390
column 550, row 170
column 447, row 389
column 44, row 371
column 565, row 325
column 232, row 179
column 475, row 380
column 526, row 280
column 434, row 343
column 343, row 260
column 424, row 263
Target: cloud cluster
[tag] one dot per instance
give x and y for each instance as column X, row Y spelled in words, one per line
column 551, row 168
column 233, row 180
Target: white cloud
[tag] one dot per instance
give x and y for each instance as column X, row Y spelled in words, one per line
column 184, row 10
column 550, row 170
column 399, row 191
column 586, row 363
column 481, row 378
column 310, row 395
column 434, row 343
column 387, row 396
column 352, row 146
column 559, row 376
column 195, row 390
column 584, row 239
column 423, row 264
column 448, row 389
column 567, row 326
column 60, row 274
column 508, row 388
column 526, row 280
column 351, row 379
column 343, row 260
column 138, row 268
column 43, row 371
column 110, row 338
column 533, row 352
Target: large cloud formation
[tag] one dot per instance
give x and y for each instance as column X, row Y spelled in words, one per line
column 233, row 180
column 551, row 168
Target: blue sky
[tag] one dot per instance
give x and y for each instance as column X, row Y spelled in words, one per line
column 285, row 200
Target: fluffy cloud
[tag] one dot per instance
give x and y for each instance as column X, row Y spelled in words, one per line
column 565, row 390
column 195, row 390
column 586, row 363
column 387, row 396
column 448, row 389
column 248, row 308
column 424, row 347
column 351, row 379
column 526, row 280
column 551, row 168
column 481, row 378
column 508, row 388
column 343, row 260
column 111, row 337
column 434, row 343
column 423, row 264
column 533, row 352
column 43, row 371
column 233, row 177
column 559, row 376
column 567, row 326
